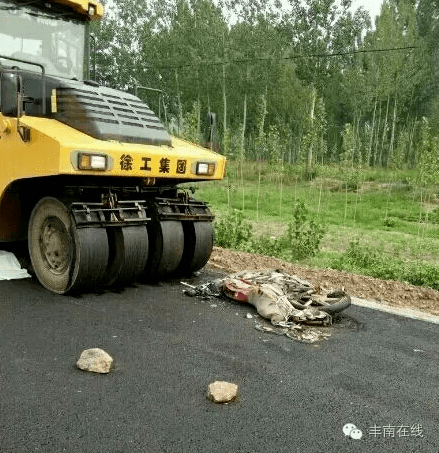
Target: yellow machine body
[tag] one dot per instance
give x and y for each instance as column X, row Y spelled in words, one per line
column 90, row 176
column 53, row 149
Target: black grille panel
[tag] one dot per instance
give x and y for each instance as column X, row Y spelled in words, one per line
column 109, row 115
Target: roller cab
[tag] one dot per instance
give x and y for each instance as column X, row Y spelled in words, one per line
column 89, row 176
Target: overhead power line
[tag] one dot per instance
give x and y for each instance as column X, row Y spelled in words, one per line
column 291, row 57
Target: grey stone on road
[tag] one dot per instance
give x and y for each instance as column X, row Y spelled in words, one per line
column 95, row 360
column 222, row 392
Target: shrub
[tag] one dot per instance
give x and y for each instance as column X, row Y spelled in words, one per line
column 267, row 245
column 301, row 240
column 233, row 230
column 361, row 255
column 303, row 236
column 389, row 222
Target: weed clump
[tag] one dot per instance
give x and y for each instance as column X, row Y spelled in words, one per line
column 303, row 236
column 301, row 239
column 233, row 231
column 390, row 222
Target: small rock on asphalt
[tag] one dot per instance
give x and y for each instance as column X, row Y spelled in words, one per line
column 222, row 392
column 95, row 360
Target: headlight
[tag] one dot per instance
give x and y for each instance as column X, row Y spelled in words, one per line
column 90, row 161
column 205, row 168
column 91, row 10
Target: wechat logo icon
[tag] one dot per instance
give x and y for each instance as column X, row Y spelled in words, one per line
column 352, row 431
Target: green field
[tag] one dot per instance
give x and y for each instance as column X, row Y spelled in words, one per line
column 378, row 223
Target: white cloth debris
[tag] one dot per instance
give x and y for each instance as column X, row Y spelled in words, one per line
column 10, row 268
column 276, row 296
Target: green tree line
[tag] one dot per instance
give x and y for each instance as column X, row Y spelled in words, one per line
column 299, row 81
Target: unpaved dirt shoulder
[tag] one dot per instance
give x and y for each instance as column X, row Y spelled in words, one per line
column 388, row 292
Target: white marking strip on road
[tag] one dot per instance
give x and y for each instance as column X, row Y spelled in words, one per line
column 406, row 312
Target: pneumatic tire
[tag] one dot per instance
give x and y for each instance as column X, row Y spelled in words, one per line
column 63, row 257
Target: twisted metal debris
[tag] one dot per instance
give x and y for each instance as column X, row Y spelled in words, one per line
column 289, row 302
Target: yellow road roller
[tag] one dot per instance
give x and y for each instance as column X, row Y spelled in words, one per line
column 89, row 176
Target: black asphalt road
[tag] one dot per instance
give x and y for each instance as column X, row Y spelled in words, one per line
column 377, row 371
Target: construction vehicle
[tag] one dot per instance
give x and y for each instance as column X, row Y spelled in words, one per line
column 89, row 176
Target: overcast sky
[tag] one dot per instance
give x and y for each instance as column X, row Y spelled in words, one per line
column 373, row 6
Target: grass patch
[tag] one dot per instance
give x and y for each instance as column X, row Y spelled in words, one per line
column 363, row 259
column 376, row 214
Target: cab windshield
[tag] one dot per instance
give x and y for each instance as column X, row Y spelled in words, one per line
column 46, row 36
